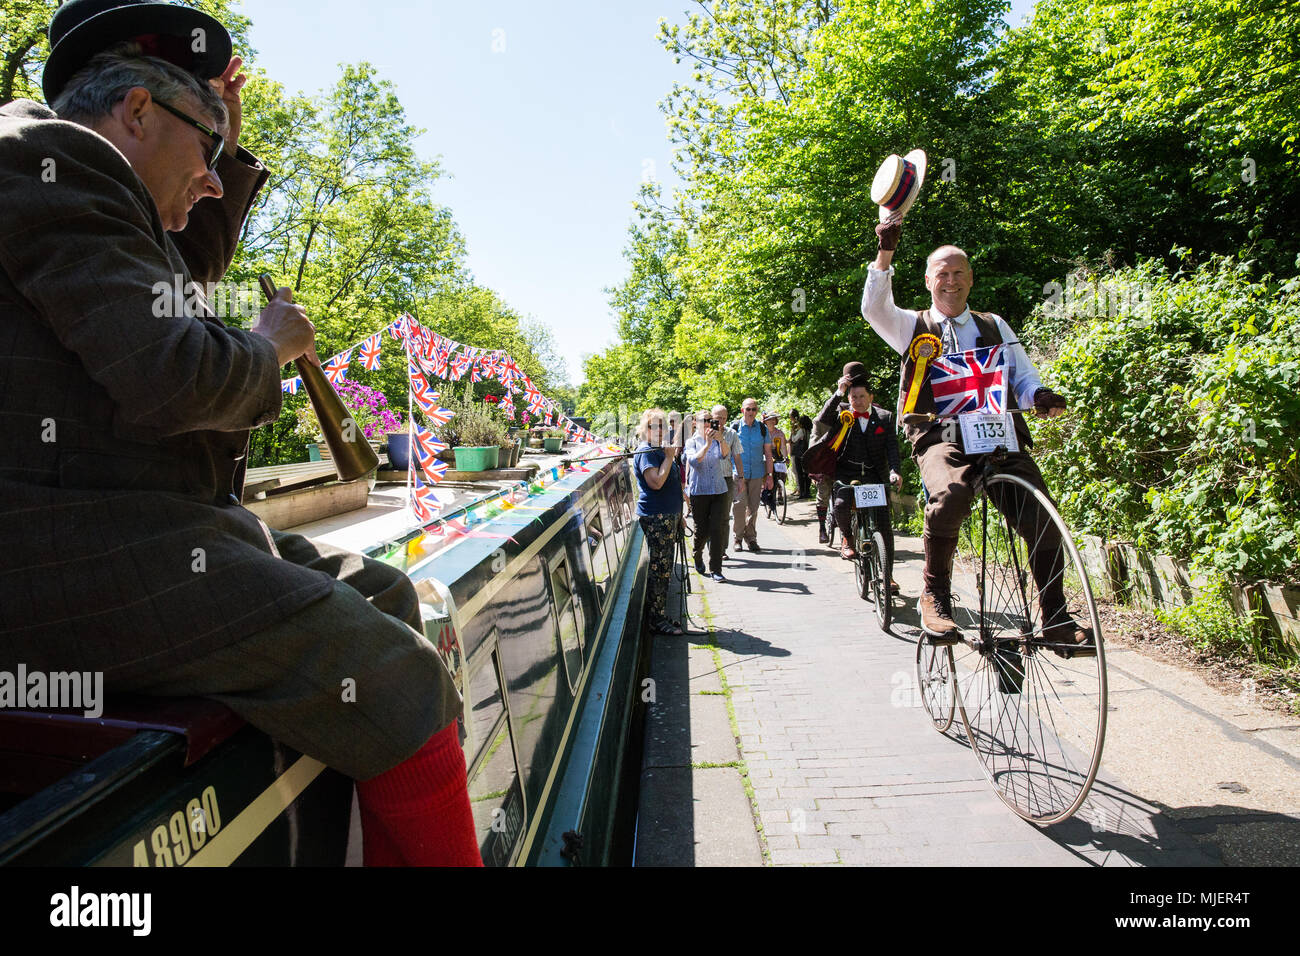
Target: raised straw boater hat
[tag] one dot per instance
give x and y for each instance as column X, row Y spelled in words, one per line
column 897, row 183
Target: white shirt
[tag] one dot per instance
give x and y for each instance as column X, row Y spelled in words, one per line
column 959, row 333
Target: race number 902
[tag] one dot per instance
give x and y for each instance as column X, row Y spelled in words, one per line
column 184, row 834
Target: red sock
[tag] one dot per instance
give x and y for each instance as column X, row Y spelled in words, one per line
column 418, row 813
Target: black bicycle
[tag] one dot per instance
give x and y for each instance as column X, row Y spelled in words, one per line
column 872, row 570
column 1033, row 707
column 775, row 499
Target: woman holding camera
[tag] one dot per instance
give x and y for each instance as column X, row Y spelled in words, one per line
column 708, row 457
column 659, row 507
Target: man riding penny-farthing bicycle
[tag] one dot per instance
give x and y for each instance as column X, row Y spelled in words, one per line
column 1028, row 679
column 950, row 328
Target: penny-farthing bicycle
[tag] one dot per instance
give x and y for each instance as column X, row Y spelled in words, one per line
column 1032, row 705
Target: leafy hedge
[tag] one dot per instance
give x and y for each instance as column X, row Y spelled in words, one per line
column 1182, row 436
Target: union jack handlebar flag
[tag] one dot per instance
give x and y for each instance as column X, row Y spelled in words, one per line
column 971, row 381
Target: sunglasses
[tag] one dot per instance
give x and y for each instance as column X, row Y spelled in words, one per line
column 218, row 141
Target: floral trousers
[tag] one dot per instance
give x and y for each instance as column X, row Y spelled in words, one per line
column 661, row 535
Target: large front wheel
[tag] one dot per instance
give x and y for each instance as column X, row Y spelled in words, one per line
column 1033, row 711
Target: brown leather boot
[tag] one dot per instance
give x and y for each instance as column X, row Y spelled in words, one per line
column 1061, row 633
column 821, row 527
column 935, row 605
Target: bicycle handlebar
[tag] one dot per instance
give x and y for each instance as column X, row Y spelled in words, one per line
column 926, row 418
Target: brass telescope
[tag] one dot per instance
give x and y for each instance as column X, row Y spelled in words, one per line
column 352, row 455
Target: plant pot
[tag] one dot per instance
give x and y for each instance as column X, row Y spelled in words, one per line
column 552, row 444
column 482, row 458
column 399, row 451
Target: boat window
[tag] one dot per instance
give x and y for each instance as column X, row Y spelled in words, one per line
column 567, row 620
column 494, row 792
column 596, row 547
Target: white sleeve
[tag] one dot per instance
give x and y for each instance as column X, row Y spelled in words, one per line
column 1024, row 380
column 891, row 323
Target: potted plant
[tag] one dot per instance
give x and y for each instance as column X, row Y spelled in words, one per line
column 553, row 438
column 475, row 434
column 370, row 411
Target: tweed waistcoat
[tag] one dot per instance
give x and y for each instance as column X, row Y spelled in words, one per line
column 865, row 454
column 922, row 436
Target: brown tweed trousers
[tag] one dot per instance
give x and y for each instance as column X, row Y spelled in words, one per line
column 122, row 437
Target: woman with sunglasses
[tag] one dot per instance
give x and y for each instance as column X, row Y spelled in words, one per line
column 659, row 508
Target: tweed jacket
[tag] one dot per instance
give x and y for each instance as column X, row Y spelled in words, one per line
column 122, row 430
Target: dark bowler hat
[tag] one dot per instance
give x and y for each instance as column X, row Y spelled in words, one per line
column 854, row 370
column 187, row 37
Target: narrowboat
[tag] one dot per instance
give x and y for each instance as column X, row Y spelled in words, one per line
column 537, row 610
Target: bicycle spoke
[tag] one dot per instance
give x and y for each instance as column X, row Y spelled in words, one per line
column 1035, row 722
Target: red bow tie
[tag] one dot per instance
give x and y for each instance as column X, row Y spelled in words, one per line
column 861, row 414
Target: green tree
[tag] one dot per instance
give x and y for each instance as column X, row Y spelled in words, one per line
column 24, row 43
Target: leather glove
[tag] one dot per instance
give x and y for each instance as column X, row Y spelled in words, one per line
column 888, row 232
column 1045, row 399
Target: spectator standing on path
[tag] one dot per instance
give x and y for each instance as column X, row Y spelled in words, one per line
column 869, row 454
column 707, row 459
column 754, row 473
column 800, row 434
column 731, row 444
column 659, row 508
column 824, row 481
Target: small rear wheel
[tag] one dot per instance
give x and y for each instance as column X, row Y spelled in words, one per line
column 935, row 682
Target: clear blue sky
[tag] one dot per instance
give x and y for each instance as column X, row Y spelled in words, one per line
column 546, row 118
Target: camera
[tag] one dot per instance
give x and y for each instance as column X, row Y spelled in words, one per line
column 713, row 423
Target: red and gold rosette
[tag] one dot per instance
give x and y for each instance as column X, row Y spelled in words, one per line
column 846, row 419
column 923, row 350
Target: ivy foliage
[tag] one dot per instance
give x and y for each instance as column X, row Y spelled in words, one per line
column 1185, row 415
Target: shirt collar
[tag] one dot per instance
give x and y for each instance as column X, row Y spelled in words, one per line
column 959, row 319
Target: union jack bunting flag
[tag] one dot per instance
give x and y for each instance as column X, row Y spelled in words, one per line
column 428, row 402
column 336, row 369
column 433, row 469
column 291, row 385
column 973, row 381
column 459, row 366
column 476, row 371
column 418, row 382
column 426, row 364
column 370, row 352
column 423, row 502
column 438, row 416
column 507, row 405
column 427, row 442
column 398, row 329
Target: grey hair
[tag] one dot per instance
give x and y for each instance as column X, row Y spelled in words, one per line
column 102, row 83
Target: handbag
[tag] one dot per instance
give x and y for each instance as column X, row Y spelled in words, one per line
column 821, row 456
